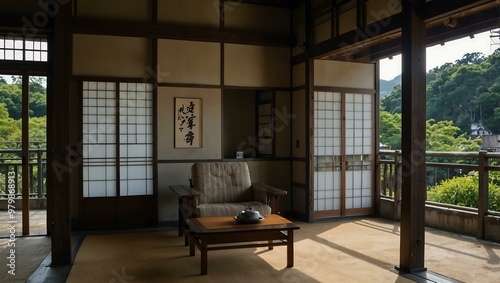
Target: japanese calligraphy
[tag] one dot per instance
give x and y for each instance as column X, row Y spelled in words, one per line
column 188, row 132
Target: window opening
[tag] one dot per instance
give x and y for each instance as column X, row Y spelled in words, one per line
column 14, row 48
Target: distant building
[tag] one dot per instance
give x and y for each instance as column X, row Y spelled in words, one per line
column 477, row 130
column 491, row 142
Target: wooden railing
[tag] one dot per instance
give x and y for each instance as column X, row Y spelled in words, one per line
column 440, row 166
column 11, row 161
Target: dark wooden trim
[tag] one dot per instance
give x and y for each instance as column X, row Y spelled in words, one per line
column 412, row 240
column 437, row 9
column 167, row 161
column 20, row 66
column 345, row 89
column 154, row 11
column 26, row 27
column 118, row 147
column 187, row 85
column 113, row 28
column 309, row 109
column 109, row 79
column 376, row 139
column 25, row 152
column 59, row 183
column 476, row 23
column 256, row 88
column 343, row 154
column 154, row 62
column 356, row 42
column 272, row 3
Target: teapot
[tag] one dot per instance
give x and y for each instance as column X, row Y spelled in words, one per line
column 249, row 214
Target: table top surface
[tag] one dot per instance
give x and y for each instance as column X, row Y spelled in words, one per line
column 229, row 224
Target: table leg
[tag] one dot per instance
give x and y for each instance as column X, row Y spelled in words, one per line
column 204, row 256
column 289, row 248
column 192, row 247
column 270, row 246
column 181, row 228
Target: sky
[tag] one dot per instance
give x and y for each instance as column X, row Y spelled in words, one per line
column 438, row 55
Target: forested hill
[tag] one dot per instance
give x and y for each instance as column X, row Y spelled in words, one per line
column 11, row 111
column 386, row 86
column 462, row 92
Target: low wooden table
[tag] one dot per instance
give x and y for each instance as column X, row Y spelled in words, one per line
column 206, row 232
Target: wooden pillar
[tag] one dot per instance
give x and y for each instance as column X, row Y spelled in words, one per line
column 412, row 245
column 309, row 139
column 59, row 156
column 25, row 153
column 482, row 207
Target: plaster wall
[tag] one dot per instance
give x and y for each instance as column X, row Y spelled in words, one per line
column 107, row 56
column 344, row 74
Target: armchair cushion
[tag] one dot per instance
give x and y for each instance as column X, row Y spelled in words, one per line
column 220, row 182
column 225, row 189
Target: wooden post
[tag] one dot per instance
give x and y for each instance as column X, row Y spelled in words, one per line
column 59, row 138
column 482, row 205
column 25, row 182
column 413, row 192
column 397, row 183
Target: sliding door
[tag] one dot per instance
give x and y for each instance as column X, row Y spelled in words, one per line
column 117, row 134
column 343, row 154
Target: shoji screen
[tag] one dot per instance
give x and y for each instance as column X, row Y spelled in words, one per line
column 117, row 139
column 327, row 152
column 343, row 153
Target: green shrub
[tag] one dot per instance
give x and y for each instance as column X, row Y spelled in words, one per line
column 463, row 191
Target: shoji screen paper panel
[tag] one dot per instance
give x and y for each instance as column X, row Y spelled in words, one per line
column 105, row 138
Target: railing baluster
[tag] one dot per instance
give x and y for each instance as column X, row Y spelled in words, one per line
column 40, row 173
column 32, row 179
column 398, row 175
column 16, row 179
column 384, row 184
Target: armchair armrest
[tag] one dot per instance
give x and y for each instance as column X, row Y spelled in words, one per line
column 187, row 207
column 269, row 189
column 187, row 200
column 272, row 195
column 184, row 191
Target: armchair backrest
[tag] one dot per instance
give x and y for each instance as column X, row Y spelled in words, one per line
column 220, row 182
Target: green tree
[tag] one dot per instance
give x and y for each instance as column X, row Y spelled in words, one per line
column 390, row 129
column 440, row 135
column 444, row 136
column 7, row 124
column 11, row 96
column 392, row 102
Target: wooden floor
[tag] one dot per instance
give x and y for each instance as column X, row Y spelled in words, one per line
column 38, row 222
column 349, row 250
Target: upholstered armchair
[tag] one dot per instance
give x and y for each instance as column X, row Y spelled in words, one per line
column 224, row 189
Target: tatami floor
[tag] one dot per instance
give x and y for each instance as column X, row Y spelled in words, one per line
column 344, row 250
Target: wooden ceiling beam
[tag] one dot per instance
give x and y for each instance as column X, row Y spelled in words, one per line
column 480, row 22
column 181, row 33
column 358, row 43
